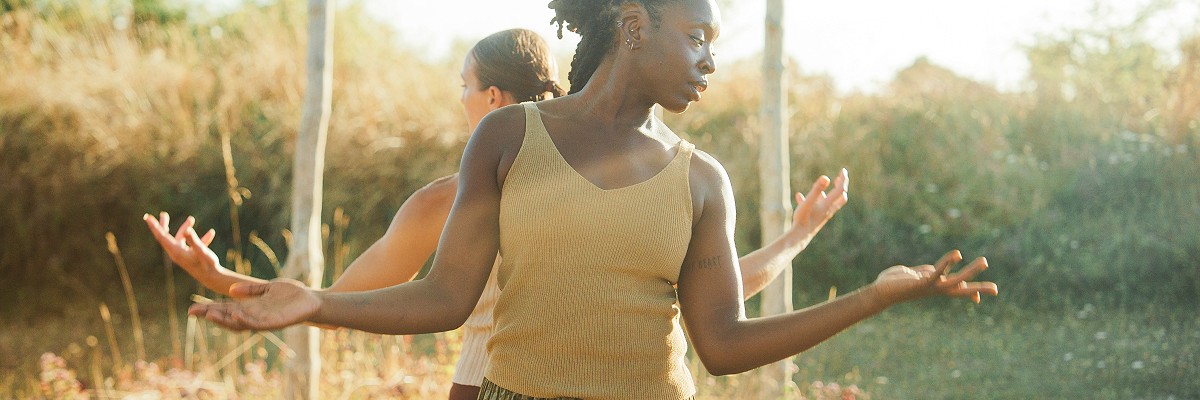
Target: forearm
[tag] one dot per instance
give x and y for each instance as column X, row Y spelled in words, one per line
column 761, row 266
column 219, row 279
column 752, row 343
column 409, row 241
column 421, row 306
column 383, row 265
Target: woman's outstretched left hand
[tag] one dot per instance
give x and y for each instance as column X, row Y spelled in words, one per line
column 900, row 283
column 262, row 306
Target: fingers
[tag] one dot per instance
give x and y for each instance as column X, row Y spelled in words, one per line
column 194, row 241
column 164, row 219
column 184, row 227
column 243, row 290
column 973, row 290
column 219, row 313
column 957, row 285
column 976, row 266
column 159, row 232
column 208, row 237
column 843, row 180
column 841, row 190
column 818, row 188
column 950, row 258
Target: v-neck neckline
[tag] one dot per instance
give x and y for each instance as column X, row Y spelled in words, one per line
column 558, row 154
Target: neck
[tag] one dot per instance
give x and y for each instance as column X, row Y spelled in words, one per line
column 613, row 97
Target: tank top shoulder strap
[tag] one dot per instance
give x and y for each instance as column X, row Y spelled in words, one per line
column 533, row 120
column 686, row 149
column 684, row 156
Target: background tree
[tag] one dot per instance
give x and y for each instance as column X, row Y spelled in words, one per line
column 305, row 261
column 773, row 167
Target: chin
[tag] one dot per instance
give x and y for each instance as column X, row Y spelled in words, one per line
column 677, row 108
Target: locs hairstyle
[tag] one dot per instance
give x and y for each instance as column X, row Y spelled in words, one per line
column 596, row 23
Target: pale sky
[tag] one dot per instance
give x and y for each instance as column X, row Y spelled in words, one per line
column 861, row 43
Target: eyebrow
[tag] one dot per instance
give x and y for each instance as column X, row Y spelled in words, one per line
column 708, row 26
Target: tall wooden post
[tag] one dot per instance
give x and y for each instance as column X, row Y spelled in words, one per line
column 774, row 174
column 305, row 261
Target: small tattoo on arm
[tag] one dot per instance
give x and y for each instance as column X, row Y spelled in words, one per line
column 709, row 263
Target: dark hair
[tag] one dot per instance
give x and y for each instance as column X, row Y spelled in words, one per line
column 516, row 61
column 596, row 23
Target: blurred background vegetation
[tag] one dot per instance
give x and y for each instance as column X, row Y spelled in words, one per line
column 1082, row 188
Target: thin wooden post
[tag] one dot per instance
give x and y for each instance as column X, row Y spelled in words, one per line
column 305, row 260
column 774, row 174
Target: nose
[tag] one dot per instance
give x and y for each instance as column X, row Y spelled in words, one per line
column 708, row 64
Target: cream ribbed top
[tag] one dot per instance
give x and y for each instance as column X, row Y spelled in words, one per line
column 587, row 308
column 472, row 360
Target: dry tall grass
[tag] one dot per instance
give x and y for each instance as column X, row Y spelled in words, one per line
column 94, row 109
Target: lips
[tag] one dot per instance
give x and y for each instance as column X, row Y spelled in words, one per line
column 697, row 88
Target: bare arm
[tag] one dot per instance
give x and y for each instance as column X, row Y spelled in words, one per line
column 711, row 300
column 409, row 241
column 393, row 259
column 761, row 266
column 439, row 302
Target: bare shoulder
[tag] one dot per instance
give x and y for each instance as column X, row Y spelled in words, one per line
column 435, row 195
column 494, row 146
column 709, row 183
column 707, row 174
column 502, row 128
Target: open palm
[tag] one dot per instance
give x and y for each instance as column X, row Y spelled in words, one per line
column 900, row 283
column 262, row 306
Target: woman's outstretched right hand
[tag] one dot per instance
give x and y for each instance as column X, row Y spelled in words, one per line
column 262, row 306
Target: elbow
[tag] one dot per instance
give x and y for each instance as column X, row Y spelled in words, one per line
column 721, row 360
column 721, row 367
column 721, row 370
column 458, row 313
column 459, row 319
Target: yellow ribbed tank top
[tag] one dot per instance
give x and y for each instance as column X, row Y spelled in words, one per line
column 587, row 306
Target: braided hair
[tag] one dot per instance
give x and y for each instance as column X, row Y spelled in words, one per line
column 516, row 61
column 596, row 23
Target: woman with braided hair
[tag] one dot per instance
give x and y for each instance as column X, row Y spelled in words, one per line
column 507, row 67
column 610, row 228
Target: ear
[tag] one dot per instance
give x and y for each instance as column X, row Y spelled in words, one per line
column 633, row 20
column 498, row 98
